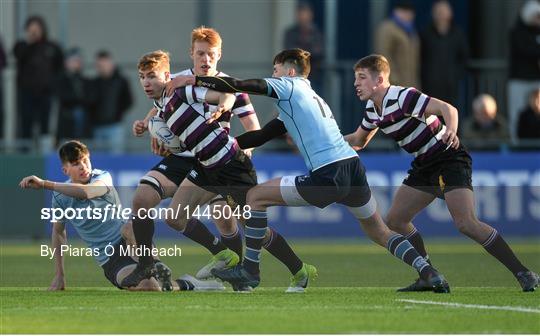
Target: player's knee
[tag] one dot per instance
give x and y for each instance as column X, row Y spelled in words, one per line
column 178, row 224
column 148, row 194
column 141, row 199
column 253, row 198
column 365, row 211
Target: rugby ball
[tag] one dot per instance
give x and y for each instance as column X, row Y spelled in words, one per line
column 159, row 130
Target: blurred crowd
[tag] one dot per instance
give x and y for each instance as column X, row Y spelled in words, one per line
column 433, row 59
column 89, row 108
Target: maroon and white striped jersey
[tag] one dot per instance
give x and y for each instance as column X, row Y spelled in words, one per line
column 242, row 106
column 402, row 118
column 186, row 114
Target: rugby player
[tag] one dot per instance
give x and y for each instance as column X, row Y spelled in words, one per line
column 93, row 188
column 336, row 174
column 163, row 179
column 441, row 168
column 220, row 168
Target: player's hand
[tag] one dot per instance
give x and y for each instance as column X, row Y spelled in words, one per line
column 32, row 182
column 217, row 113
column 248, row 152
column 58, row 283
column 158, row 148
column 139, row 127
column 177, row 82
column 450, row 138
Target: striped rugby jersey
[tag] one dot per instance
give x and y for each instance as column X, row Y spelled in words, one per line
column 242, row 106
column 403, row 119
column 186, row 114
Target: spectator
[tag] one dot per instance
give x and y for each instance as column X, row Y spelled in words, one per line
column 443, row 53
column 304, row 34
column 3, row 64
column 397, row 40
column 72, row 92
column 111, row 100
column 485, row 129
column 529, row 118
column 524, row 60
column 39, row 60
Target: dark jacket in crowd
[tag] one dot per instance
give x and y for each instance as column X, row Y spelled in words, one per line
column 38, row 65
column 310, row 40
column 529, row 124
column 443, row 60
column 484, row 137
column 111, row 98
column 73, row 98
column 497, row 130
column 525, row 52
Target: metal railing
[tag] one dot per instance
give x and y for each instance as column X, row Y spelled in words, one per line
column 483, row 76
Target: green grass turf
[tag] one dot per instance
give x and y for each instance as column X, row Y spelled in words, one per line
column 353, row 294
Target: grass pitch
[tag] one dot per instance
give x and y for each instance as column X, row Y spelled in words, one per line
column 355, row 293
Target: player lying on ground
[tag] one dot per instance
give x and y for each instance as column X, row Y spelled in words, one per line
column 93, row 188
column 336, row 174
column 442, row 167
column 221, row 167
column 163, row 179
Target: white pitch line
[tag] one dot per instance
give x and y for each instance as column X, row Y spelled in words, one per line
column 474, row 306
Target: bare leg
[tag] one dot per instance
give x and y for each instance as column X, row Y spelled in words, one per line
column 461, row 206
column 407, row 203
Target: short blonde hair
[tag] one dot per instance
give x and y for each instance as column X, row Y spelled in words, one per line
column 155, row 60
column 206, row 34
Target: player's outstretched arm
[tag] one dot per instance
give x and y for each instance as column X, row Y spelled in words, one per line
column 178, row 82
column 271, row 130
column 250, row 123
column 233, row 85
column 58, row 238
column 81, row 191
column 77, row 190
column 360, row 138
column 450, row 115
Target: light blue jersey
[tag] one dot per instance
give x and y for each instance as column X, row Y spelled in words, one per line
column 309, row 121
column 95, row 232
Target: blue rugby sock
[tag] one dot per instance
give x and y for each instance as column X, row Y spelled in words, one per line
column 402, row 248
column 254, row 233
